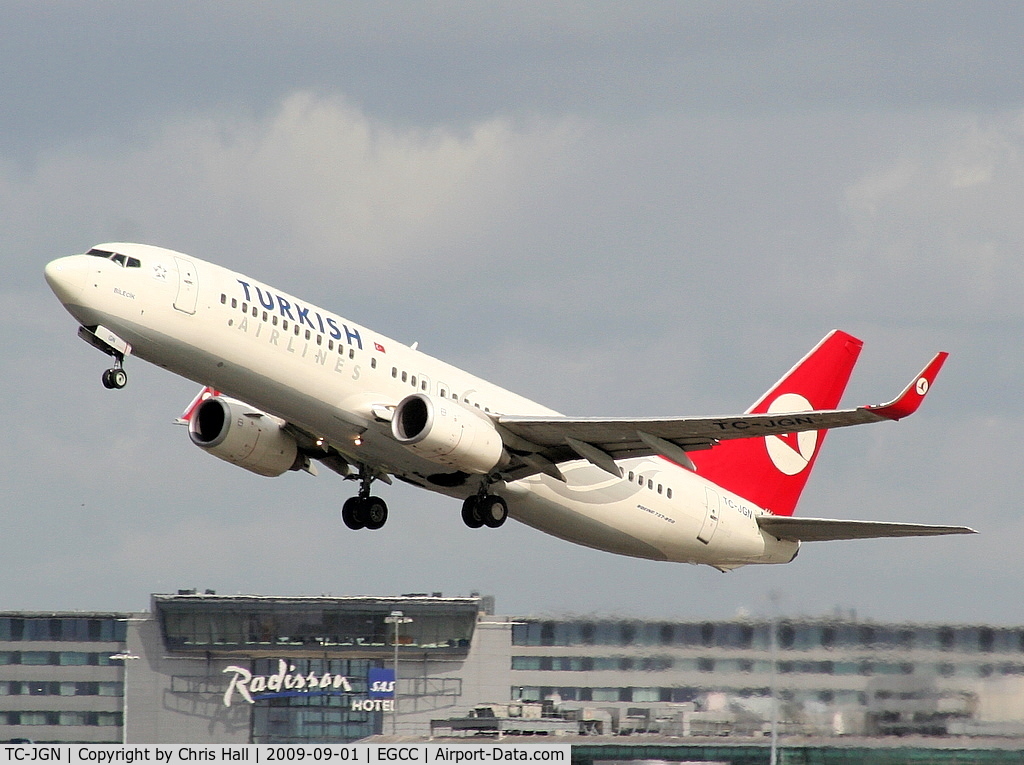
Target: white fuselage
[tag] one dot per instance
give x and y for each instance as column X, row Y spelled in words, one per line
column 331, row 377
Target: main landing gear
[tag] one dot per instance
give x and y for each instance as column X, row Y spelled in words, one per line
column 484, row 509
column 364, row 511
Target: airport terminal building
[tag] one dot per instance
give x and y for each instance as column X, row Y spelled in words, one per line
column 204, row 668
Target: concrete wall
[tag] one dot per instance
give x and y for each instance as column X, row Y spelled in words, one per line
column 176, row 699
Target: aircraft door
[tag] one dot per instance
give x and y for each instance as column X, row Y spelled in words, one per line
column 188, row 286
column 713, row 503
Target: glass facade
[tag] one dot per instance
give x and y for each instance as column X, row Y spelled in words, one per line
column 298, row 625
column 326, row 717
column 795, row 636
column 56, row 683
column 74, row 629
column 832, row 675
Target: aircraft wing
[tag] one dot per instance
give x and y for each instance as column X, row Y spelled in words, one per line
column 604, row 440
column 797, row 529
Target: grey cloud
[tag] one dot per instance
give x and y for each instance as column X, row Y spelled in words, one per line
column 657, row 208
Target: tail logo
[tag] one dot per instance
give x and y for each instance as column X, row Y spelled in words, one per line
column 791, row 453
column 922, row 386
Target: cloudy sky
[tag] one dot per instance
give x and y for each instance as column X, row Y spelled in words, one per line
column 613, row 208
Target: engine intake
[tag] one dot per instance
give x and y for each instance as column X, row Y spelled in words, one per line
column 243, row 436
column 448, row 433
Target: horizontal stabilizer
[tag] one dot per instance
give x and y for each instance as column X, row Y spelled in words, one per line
column 797, row 529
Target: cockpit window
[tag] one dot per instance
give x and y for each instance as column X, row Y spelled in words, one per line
column 117, row 257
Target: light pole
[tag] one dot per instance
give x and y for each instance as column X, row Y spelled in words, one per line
column 773, row 642
column 396, row 618
column 125, row 657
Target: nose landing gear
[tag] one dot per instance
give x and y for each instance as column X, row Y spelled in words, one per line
column 102, row 338
column 115, row 378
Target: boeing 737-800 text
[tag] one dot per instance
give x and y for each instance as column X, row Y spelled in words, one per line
column 287, row 384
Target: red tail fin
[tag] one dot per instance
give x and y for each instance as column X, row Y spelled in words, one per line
column 772, row 471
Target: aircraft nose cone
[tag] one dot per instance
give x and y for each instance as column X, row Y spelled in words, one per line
column 66, row 277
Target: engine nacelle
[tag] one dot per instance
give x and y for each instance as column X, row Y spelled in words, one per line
column 243, row 436
column 448, row 433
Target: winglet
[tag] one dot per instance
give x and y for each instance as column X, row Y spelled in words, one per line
column 912, row 396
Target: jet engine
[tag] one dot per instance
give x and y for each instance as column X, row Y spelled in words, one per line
column 448, row 433
column 243, row 436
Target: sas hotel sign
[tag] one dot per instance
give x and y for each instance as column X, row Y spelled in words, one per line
column 286, row 682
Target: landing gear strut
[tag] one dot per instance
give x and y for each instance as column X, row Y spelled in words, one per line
column 364, row 511
column 484, row 509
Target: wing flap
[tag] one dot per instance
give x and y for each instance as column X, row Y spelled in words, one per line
column 797, row 529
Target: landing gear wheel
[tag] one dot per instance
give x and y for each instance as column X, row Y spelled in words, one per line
column 375, row 512
column 352, row 513
column 471, row 512
column 115, row 378
column 492, row 510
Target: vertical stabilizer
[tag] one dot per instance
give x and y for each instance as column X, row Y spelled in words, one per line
column 772, row 471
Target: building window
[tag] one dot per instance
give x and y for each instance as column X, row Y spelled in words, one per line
column 986, row 639
column 946, row 638
column 547, row 633
column 666, row 634
column 707, row 634
column 628, row 634
column 587, row 633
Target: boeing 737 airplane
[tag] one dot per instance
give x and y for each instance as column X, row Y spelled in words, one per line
column 287, row 384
